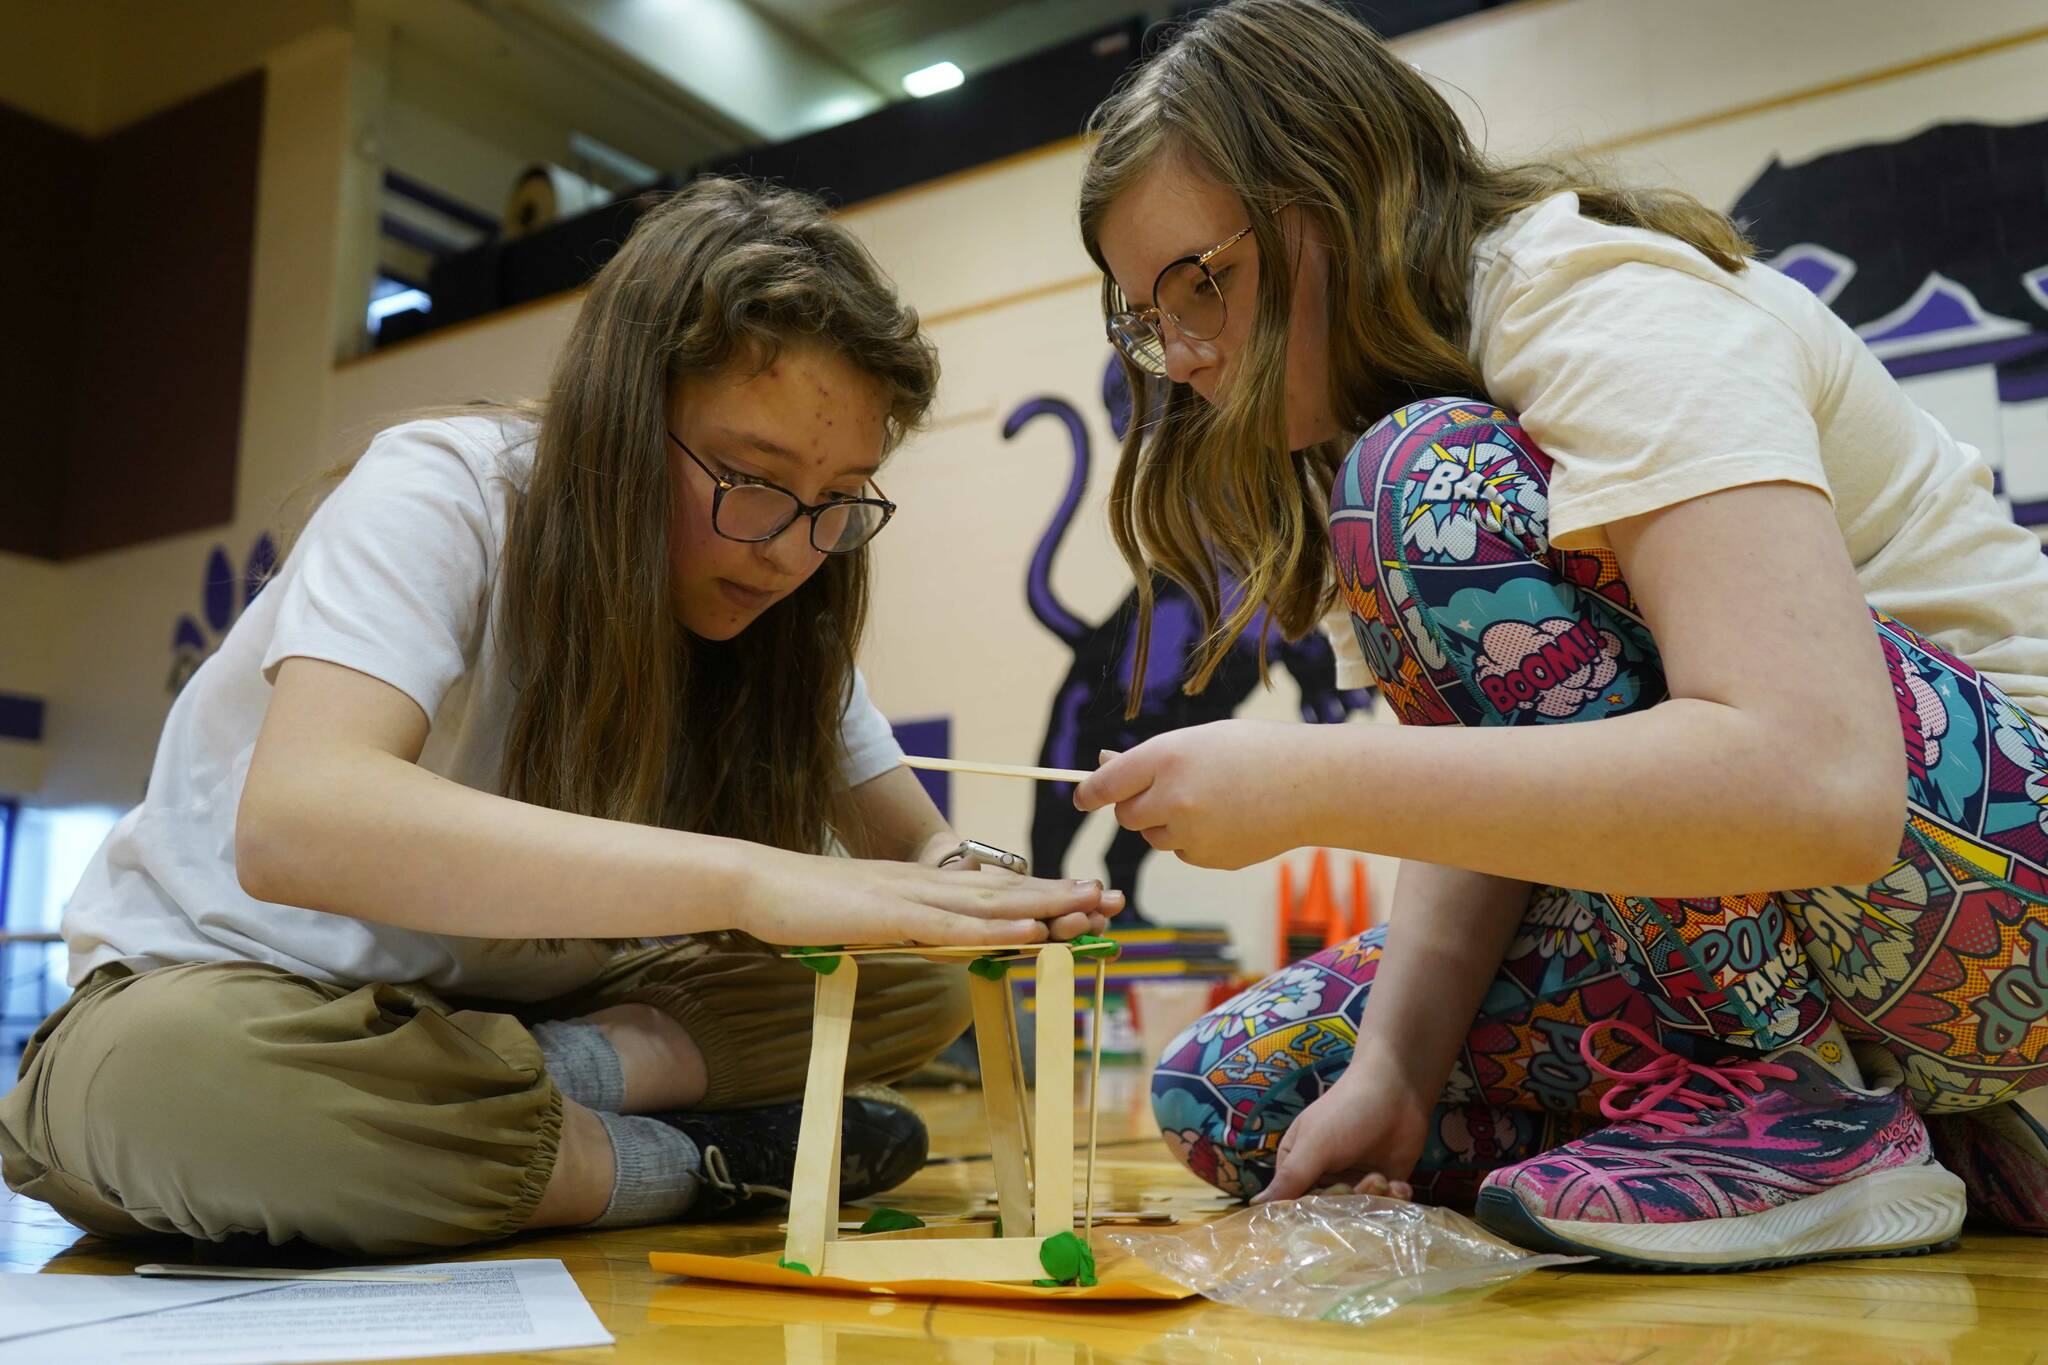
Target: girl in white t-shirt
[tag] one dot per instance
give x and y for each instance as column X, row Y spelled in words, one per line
column 1774, row 604
column 530, row 687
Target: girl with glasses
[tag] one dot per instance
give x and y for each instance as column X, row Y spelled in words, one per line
column 450, row 910
column 1723, row 676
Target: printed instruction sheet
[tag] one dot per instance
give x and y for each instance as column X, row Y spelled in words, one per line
column 526, row 1305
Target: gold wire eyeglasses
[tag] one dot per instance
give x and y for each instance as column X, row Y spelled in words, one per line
column 1186, row 294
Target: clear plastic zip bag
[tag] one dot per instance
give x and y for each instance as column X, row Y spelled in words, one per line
column 1338, row 1258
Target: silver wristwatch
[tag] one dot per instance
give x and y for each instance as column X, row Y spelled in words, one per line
column 975, row 853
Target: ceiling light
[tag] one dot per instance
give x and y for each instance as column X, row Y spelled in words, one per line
column 403, row 300
column 930, row 80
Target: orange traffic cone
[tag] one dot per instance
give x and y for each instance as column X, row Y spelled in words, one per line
column 1282, row 917
column 1319, row 913
column 1361, row 898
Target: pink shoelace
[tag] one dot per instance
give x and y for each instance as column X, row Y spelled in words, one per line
column 1671, row 1077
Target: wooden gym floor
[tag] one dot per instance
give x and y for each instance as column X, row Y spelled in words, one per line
column 1987, row 1301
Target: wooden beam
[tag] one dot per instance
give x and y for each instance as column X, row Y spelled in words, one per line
column 995, row 1042
column 927, row 950
column 814, row 1190
column 1052, row 1144
column 955, row 765
column 1094, row 1106
column 936, row 1258
column 1017, row 1083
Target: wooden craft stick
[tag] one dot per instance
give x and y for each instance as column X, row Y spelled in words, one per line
column 1094, row 1085
column 957, row 765
column 934, row 1258
column 814, row 1191
column 1103, row 1218
column 1052, row 1144
column 995, row 1038
column 1017, row 1081
column 932, row 950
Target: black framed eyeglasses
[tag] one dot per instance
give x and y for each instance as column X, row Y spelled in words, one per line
column 754, row 510
column 1185, row 294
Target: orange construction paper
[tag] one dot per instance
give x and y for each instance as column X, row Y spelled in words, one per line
column 1123, row 1278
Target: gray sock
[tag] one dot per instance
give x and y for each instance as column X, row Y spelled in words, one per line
column 583, row 1063
column 656, row 1172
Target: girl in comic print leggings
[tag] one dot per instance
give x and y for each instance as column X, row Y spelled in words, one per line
column 1298, row 237
column 1942, row 963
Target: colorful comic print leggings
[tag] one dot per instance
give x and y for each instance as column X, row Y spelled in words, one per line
column 1468, row 616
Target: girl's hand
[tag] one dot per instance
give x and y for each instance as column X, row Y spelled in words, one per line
column 1367, row 1131
column 803, row 900
column 1227, row 794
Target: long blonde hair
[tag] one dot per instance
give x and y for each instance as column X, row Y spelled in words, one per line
column 620, row 712
column 1292, row 104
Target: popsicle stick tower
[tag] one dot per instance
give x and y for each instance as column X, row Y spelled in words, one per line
column 1034, row 1161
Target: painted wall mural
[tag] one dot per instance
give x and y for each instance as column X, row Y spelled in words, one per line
column 224, row 594
column 1086, row 713
column 1935, row 249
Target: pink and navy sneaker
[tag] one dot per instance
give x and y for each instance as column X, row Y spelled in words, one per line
column 1744, row 1163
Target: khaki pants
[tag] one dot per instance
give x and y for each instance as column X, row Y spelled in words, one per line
column 223, row 1098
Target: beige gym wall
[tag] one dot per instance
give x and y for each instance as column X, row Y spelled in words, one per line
column 1704, row 96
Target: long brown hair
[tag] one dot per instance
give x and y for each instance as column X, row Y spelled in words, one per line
column 620, row 712
column 1292, row 104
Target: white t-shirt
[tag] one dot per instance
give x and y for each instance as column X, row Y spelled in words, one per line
column 1651, row 376
column 394, row 577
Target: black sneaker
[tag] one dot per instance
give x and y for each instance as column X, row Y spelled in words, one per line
column 750, row 1154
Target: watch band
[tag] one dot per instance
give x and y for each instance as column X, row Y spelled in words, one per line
column 977, row 852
